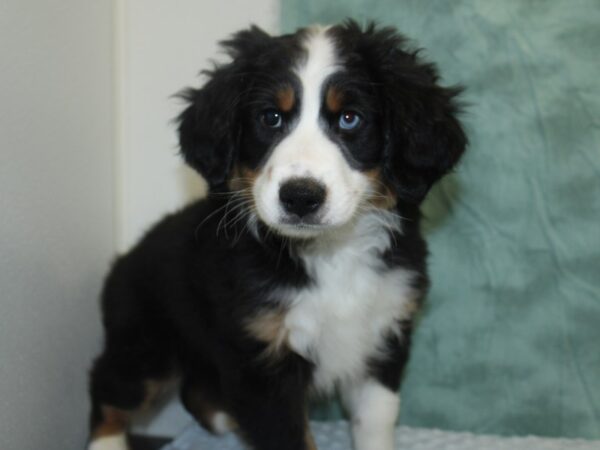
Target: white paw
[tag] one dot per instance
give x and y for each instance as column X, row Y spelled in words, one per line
column 115, row 442
column 374, row 410
column 382, row 439
column 222, row 423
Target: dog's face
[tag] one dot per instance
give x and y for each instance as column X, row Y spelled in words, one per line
column 317, row 127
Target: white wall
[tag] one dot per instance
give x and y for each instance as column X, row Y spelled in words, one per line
column 56, row 211
column 88, row 161
column 162, row 45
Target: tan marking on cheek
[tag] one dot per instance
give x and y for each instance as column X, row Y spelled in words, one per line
column 114, row 422
column 268, row 327
column 382, row 195
column 242, row 178
column 334, row 100
column 234, row 180
column 286, row 98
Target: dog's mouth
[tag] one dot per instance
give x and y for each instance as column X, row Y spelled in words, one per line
column 297, row 227
column 302, row 229
column 312, row 226
column 312, row 220
column 292, row 226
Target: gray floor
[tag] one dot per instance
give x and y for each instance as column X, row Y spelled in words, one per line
column 336, row 436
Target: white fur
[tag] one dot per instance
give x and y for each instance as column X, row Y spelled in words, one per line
column 221, row 423
column 115, row 442
column 374, row 410
column 340, row 321
column 308, row 152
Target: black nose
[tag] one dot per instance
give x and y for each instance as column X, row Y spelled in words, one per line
column 301, row 196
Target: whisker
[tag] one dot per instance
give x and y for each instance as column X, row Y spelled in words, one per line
column 248, row 216
column 224, row 220
column 216, row 211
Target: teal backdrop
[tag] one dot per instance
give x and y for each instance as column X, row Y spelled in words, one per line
column 509, row 342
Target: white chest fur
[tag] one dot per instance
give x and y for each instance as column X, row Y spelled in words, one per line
column 340, row 321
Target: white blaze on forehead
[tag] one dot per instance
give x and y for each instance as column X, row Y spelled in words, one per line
column 313, row 71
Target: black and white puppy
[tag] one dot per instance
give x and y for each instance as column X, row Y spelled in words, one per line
column 301, row 271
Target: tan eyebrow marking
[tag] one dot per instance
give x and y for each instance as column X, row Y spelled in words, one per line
column 286, row 98
column 334, row 99
column 383, row 196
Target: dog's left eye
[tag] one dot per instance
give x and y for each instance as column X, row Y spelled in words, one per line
column 349, row 120
column 271, row 118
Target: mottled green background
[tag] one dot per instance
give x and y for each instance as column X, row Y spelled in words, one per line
column 510, row 340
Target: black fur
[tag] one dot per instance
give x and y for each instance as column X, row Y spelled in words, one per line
column 179, row 300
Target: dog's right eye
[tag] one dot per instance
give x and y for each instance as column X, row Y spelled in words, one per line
column 271, row 118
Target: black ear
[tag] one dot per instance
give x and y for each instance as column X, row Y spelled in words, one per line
column 424, row 138
column 209, row 126
column 207, row 131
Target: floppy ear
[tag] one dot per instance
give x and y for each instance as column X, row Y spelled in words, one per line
column 209, row 126
column 207, row 130
column 423, row 136
column 425, row 139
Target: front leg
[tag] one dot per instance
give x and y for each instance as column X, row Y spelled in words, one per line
column 269, row 406
column 374, row 410
column 374, row 401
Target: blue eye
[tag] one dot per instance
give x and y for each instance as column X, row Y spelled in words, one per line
column 271, row 118
column 349, row 120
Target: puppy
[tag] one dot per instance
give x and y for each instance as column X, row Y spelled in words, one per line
column 301, row 271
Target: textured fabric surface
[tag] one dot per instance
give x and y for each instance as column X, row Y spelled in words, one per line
column 510, row 340
column 336, row 436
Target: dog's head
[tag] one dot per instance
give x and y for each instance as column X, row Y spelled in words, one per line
column 319, row 126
